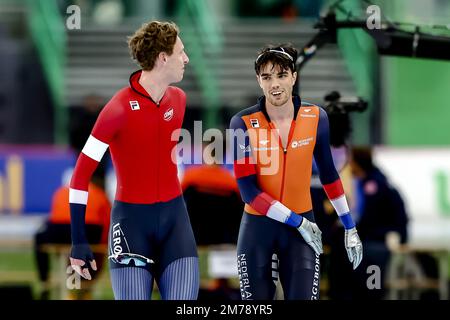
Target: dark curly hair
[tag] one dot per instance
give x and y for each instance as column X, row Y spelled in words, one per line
column 284, row 55
column 150, row 40
column 362, row 156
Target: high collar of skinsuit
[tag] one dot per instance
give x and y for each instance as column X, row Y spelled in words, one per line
column 295, row 99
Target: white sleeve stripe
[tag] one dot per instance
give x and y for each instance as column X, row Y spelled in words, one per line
column 94, row 148
column 78, row 196
column 340, row 205
column 279, row 212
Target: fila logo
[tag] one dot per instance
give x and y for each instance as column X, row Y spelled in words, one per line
column 134, row 105
column 307, row 110
column 168, row 115
column 254, row 123
column 264, row 142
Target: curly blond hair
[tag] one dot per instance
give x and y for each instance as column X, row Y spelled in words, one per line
column 150, row 40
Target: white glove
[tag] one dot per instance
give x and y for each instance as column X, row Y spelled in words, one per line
column 353, row 246
column 312, row 235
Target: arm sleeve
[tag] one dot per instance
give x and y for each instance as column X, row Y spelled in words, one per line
column 328, row 174
column 107, row 125
column 245, row 173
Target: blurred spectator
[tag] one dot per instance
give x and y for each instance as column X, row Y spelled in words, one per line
column 56, row 230
column 379, row 205
column 211, row 194
column 380, row 210
column 81, row 121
